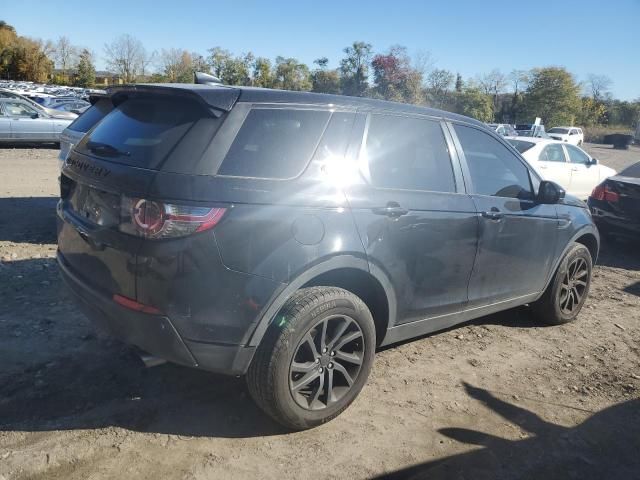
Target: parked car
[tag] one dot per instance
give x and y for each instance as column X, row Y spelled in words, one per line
column 567, row 165
column 286, row 235
column 531, row 130
column 41, row 109
column 572, row 135
column 615, row 203
column 21, row 122
column 71, row 135
column 71, row 106
column 503, row 129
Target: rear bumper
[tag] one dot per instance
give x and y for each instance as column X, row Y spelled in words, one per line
column 155, row 334
column 609, row 222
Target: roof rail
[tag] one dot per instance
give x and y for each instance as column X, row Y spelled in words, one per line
column 205, row 79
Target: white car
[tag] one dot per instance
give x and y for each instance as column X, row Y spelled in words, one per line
column 568, row 165
column 572, row 135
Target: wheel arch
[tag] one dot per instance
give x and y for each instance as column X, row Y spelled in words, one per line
column 344, row 271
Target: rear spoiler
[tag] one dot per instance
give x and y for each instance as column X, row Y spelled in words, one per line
column 219, row 98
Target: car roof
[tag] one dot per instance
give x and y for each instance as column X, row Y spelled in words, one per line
column 267, row 95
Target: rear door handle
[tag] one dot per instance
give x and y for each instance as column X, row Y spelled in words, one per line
column 493, row 215
column 393, row 210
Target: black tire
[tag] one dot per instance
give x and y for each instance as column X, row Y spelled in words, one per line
column 564, row 297
column 311, row 316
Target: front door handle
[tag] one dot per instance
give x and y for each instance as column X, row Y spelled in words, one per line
column 493, row 214
column 392, row 209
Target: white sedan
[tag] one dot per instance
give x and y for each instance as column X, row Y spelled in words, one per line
column 568, row 165
column 572, row 135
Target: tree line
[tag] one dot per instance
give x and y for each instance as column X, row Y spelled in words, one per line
column 552, row 93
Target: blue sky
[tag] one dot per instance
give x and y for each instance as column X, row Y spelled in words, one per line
column 463, row 36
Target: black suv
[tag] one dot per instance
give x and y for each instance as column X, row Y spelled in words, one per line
column 286, row 235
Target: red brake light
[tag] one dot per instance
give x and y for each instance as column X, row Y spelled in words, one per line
column 604, row 193
column 157, row 220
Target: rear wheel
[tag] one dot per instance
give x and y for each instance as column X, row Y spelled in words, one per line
column 314, row 359
column 568, row 290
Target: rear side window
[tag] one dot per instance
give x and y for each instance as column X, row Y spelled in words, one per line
column 142, row 131
column 552, row 153
column 494, row 169
column 91, row 116
column 408, row 154
column 576, row 155
column 275, row 143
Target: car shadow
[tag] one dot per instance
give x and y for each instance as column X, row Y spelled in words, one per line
column 111, row 387
column 28, row 219
column 619, row 253
column 605, row 445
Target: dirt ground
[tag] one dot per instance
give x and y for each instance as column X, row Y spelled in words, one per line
column 501, row 397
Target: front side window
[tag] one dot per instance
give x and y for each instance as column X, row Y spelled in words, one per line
column 408, row 154
column 495, row 171
column 274, row 143
column 576, row 155
column 16, row 109
column 552, row 153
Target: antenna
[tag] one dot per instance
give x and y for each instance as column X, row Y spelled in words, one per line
column 205, row 79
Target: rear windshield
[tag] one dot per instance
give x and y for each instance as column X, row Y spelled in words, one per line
column 559, row 130
column 91, row 116
column 632, row 171
column 521, row 145
column 274, row 143
column 142, row 131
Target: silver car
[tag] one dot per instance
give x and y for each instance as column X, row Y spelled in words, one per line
column 21, row 122
column 4, row 93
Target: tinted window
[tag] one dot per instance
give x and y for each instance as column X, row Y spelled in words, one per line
column 552, row 153
column 91, row 116
column 141, row 131
column 521, row 145
column 409, row 154
column 576, row 155
column 274, row 143
column 559, row 130
column 494, row 169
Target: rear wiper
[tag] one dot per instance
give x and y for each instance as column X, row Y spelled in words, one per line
column 105, row 148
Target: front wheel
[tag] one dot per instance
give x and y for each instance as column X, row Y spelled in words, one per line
column 314, row 359
column 568, row 290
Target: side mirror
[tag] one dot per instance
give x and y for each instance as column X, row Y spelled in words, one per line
column 594, row 161
column 549, row 193
column 35, row 115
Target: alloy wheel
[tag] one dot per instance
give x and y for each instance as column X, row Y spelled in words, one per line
column 327, row 362
column 573, row 286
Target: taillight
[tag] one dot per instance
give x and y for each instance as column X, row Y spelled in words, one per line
column 604, row 193
column 159, row 220
column 131, row 304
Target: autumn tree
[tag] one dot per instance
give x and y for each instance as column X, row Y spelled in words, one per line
column 394, row 78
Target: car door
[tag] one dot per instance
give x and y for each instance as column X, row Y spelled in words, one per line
column 5, row 125
column 417, row 224
column 27, row 124
column 584, row 177
column 553, row 165
column 574, row 139
column 517, row 236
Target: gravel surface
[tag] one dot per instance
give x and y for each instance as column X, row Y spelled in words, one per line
column 500, row 397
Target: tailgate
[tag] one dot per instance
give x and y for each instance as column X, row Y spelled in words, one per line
column 89, row 240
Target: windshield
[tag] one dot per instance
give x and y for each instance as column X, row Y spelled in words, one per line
column 559, row 130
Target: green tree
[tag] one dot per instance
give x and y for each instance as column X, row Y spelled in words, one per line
column 291, row 75
column 231, row 70
column 324, row 80
column 474, row 103
column 553, row 95
column 439, row 83
column 262, row 73
column 354, row 69
column 459, row 83
column 86, row 76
